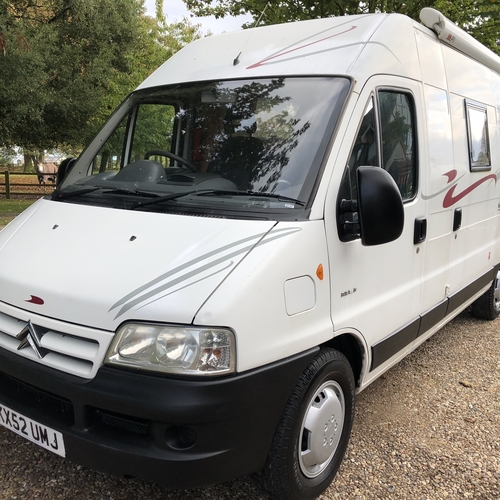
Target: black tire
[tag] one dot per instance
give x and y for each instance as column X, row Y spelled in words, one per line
column 312, row 435
column 488, row 305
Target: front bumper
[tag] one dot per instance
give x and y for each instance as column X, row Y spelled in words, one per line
column 180, row 433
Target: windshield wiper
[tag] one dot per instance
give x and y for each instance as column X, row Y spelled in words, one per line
column 62, row 195
column 215, row 192
column 130, row 191
column 168, row 197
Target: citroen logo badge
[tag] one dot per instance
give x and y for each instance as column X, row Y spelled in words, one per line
column 30, row 336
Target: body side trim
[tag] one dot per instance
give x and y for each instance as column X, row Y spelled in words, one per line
column 458, row 298
column 433, row 317
column 394, row 343
column 397, row 341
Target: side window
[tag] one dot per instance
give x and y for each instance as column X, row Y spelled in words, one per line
column 153, row 131
column 363, row 153
column 477, row 132
column 386, row 138
column 398, row 143
column 365, row 150
column 109, row 156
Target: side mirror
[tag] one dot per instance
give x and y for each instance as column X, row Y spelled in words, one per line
column 64, row 169
column 380, row 207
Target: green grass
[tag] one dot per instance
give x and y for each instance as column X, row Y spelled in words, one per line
column 14, row 206
column 4, row 221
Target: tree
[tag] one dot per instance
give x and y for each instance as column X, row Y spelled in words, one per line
column 66, row 64
column 477, row 17
column 6, row 156
column 59, row 58
column 481, row 19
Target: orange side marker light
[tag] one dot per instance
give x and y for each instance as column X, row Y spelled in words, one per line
column 319, row 272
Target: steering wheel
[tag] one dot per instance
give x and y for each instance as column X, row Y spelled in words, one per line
column 168, row 154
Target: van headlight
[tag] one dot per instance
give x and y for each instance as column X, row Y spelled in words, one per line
column 173, row 349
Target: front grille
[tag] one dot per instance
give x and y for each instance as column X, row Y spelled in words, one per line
column 72, row 349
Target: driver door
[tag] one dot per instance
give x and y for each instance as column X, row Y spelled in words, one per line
column 377, row 290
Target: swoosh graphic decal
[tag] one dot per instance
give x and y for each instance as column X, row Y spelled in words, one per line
column 182, row 267
column 178, row 280
column 188, row 285
column 290, row 49
column 450, row 199
column 35, row 300
column 137, row 296
column 430, row 196
column 451, row 175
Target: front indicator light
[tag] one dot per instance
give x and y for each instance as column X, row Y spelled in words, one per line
column 174, row 349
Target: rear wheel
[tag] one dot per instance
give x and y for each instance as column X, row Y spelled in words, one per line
column 488, row 305
column 312, row 436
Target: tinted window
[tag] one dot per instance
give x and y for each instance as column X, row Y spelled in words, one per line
column 477, row 128
column 398, row 140
column 263, row 140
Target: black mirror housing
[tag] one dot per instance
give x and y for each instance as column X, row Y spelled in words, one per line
column 381, row 211
column 64, row 169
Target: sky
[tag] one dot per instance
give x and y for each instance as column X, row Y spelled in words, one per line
column 176, row 10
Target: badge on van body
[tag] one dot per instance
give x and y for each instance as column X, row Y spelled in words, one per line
column 29, row 336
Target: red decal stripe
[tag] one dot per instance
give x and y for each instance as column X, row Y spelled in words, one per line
column 451, row 175
column 450, row 199
column 36, row 300
column 281, row 54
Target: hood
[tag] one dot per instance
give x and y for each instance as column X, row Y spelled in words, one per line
column 99, row 267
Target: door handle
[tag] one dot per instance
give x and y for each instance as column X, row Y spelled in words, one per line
column 420, row 232
column 457, row 219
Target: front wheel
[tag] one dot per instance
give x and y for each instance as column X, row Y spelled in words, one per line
column 488, row 305
column 313, row 433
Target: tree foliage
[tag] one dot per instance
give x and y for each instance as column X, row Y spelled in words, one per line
column 66, row 64
column 478, row 17
column 61, row 56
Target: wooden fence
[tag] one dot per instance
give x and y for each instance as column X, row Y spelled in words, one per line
column 23, row 184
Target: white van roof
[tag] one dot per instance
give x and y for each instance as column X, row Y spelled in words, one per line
column 358, row 46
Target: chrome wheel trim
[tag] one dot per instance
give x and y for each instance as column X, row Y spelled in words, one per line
column 321, row 429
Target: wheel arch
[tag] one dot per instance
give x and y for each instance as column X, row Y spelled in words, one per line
column 354, row 349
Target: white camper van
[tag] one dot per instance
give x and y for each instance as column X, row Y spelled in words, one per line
column 273, row 219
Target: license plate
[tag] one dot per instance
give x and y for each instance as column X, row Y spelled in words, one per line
column 33, row 431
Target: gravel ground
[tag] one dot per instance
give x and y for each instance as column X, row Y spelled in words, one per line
column 428, row 429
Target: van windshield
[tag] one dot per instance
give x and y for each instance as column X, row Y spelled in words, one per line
column 226, row 146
